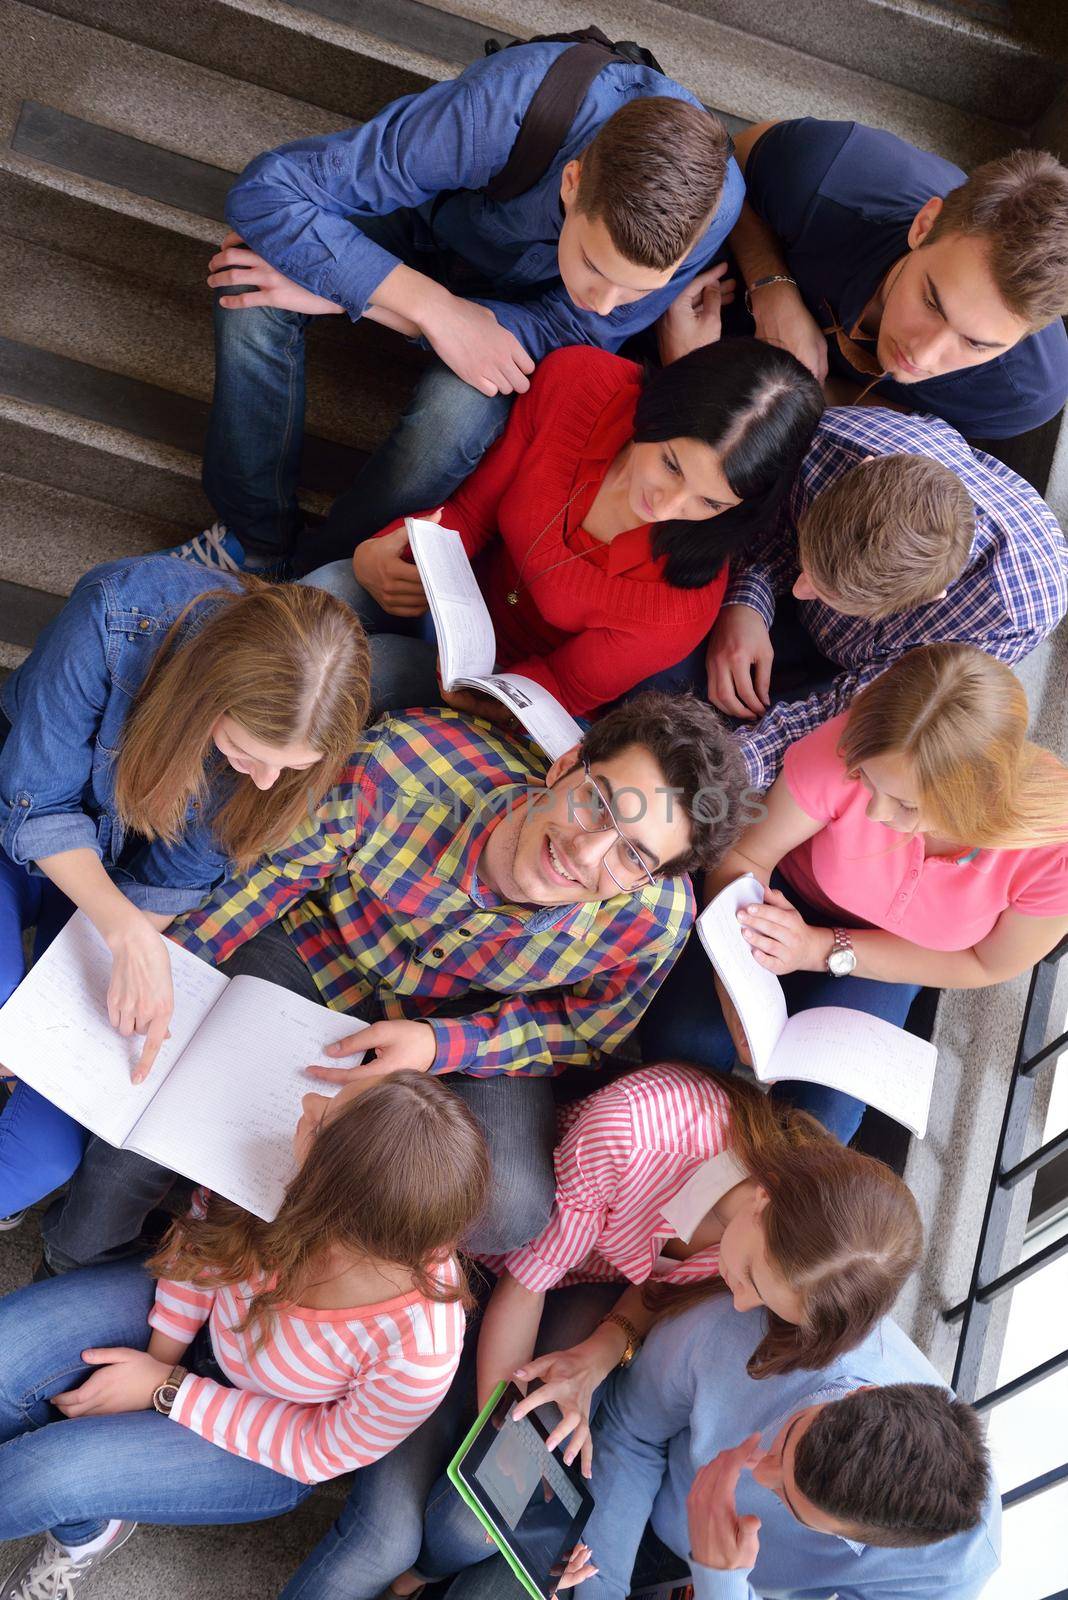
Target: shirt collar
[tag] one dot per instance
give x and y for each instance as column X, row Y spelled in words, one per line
column 700, row 1192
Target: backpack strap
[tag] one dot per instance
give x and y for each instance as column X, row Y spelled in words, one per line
column 555, row 103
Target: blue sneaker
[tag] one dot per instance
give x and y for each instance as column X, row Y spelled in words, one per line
column 216, row 547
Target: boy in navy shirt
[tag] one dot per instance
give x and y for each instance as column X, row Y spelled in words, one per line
column 885, row 265
column 390, row 221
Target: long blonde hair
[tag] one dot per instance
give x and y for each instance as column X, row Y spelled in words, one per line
column 842, row 1229
column 960, row 719
column 290, row 664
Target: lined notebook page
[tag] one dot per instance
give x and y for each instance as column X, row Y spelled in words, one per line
column 226, row 1118
column 756, row 992
column 55, row 1034
column 863, row 1056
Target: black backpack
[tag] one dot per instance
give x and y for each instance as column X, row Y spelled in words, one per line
column 555, row 102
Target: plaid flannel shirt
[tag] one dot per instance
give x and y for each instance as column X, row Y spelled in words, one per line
column 1012, row 593
column 379, row 891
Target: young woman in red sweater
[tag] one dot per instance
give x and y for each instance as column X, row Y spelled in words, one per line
column 600, row 524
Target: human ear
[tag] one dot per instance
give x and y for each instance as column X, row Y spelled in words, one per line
column 761, row 1200
column 565, row 763
column 569, row 182
column 924, row 221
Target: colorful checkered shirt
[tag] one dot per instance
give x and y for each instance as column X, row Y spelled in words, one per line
column 379, row 891
column 1012, row 593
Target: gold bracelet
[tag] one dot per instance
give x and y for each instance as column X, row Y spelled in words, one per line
column 634, row 1338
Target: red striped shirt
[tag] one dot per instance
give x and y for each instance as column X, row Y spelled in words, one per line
column 326, row 1391
column 623, row 1156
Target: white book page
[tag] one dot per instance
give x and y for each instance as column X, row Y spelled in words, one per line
column 873, row 1060
column 466, row 640
column 756, row 993
column 539, row 711
column 226, row 1118
column 55, row 1034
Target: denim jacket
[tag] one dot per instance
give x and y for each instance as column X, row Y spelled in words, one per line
column 67, row 706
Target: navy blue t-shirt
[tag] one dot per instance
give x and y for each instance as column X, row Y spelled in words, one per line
column 841, row 197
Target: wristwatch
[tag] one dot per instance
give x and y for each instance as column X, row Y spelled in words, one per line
column 164, row 1397
column 764, row 283
column 843, row 958
column 634, row 1338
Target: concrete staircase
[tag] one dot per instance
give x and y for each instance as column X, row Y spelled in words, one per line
column 124, row 122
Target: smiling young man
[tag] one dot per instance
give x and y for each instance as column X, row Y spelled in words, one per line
column 896, row 534
column 483, row 912
column 887, row 266
column 867, row 1479
column 390, row 221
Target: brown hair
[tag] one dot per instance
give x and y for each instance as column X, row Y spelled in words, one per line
column 889, row 535
column 653, row 175
column 960, row 719
column 701, row 762
column 290, row 663
column 1019, row 205
column 399, row 1175
column 843, row 1230
column 903, row 1464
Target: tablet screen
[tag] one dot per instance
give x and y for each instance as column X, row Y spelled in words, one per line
column 538, row 1504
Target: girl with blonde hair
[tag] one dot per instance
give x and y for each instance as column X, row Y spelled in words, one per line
column 159, row 737
column 918, row 839
column 267, row 1358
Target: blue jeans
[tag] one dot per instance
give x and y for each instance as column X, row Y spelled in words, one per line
column 685, row 1023
column 40, row 1146
column 404, row 650
column 402, row 1511
column 255, row 437
column 72, row 1475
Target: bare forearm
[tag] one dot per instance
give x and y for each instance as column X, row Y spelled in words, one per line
column 163, row 1348
column 508, row 1335
column 409, row 297
column 756, row 248
column 734, row 864
column 894, row 960
column 80, row 875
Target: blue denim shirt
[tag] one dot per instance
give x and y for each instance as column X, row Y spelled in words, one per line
column 687, row 1397
column 300, row 207
column 67, row 706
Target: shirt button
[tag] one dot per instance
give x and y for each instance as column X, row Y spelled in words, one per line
column 437, row 952
column 465, row 933
column 144, row 625
column 24, row 803
column 914, row 873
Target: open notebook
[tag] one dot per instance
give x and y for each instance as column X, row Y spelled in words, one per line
column 844, row 1049
column 467, row 645
column 223, row 1097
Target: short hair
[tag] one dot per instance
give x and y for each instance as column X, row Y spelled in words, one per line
column 701, row 762
column 889, row 535
column 901, row 1465
column 653, row 174
column 1019, row 205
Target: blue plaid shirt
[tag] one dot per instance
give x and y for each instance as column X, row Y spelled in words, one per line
column 1012, row 593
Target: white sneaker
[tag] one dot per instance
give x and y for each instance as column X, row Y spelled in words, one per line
column 216, row 547
column 7, row 1223
column 52, row 1573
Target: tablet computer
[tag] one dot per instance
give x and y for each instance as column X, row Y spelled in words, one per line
column 532, row 1505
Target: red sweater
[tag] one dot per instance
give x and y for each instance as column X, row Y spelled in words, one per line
column 596, row 626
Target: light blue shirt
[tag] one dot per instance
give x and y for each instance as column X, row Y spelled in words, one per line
column 301, row 206
column 687, row 1397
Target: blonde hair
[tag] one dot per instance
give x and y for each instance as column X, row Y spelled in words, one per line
column 960, row 719
column 1018, row 205
column 888, row 536
column 290, row 664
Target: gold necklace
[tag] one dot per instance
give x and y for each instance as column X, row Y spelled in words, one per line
column 512, row 596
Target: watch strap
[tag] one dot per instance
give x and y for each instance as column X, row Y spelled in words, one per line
column 764, row 283
column 843, row 944
column 634, row 1338
column 164, row 1396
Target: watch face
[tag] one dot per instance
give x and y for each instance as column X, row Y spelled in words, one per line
column 841, row 962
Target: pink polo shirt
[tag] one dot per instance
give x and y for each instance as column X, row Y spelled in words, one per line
column 884, row 879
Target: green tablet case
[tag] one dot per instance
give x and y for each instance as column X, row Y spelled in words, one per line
column 472, row 1504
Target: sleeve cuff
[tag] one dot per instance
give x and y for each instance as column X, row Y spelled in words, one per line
column 40, row 836
column 710, row 1583
column 152, row 897
column 749, row 592
column 530, row 1272
column 191, row 1390
column 458, row 1044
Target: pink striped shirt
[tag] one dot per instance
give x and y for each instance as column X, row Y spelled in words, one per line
column 637, row 1162
column 326, row 1391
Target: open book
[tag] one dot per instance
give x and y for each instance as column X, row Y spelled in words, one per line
column 844, row 1049
column 467, row 645
column 223, row 1097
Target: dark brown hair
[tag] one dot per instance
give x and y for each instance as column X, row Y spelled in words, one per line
column 888, row 535
column 841, row 1228
column 399, row 1175
column 902, row 1465
column 291, row 664
column 1019, row 205
column 653, row 175
column 700, row 760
